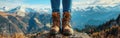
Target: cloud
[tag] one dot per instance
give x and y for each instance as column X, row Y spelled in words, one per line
column 75, row 3
column 97, row 2
column 82, row 4
column 106, row 2
column 10, row 3
column 36, row 6
column 15, row 3
column 87, row 3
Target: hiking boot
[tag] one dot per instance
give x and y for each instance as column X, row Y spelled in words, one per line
column 66, row 27
column 56, row 23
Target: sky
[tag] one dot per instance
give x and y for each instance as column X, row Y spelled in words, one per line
column 46, row 3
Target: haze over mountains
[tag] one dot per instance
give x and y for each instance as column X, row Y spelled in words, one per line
column 31, row 20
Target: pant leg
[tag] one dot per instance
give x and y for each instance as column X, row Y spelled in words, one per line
column 55, row 5
column 66, row 5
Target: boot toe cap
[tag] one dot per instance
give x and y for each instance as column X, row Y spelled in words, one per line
column 68, row 32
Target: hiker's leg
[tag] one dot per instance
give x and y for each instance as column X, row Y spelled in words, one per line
column 55, row 5
column 66, row 26
column 66, row 5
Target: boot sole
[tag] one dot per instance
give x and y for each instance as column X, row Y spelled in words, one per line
column 53, row 33
column 67, row 33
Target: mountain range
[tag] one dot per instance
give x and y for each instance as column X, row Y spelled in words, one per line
column 30, row 20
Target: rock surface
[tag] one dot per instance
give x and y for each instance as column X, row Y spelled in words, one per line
column 45, row 34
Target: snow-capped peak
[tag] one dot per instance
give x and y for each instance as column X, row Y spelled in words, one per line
column 4, row 9
column 21, row 10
